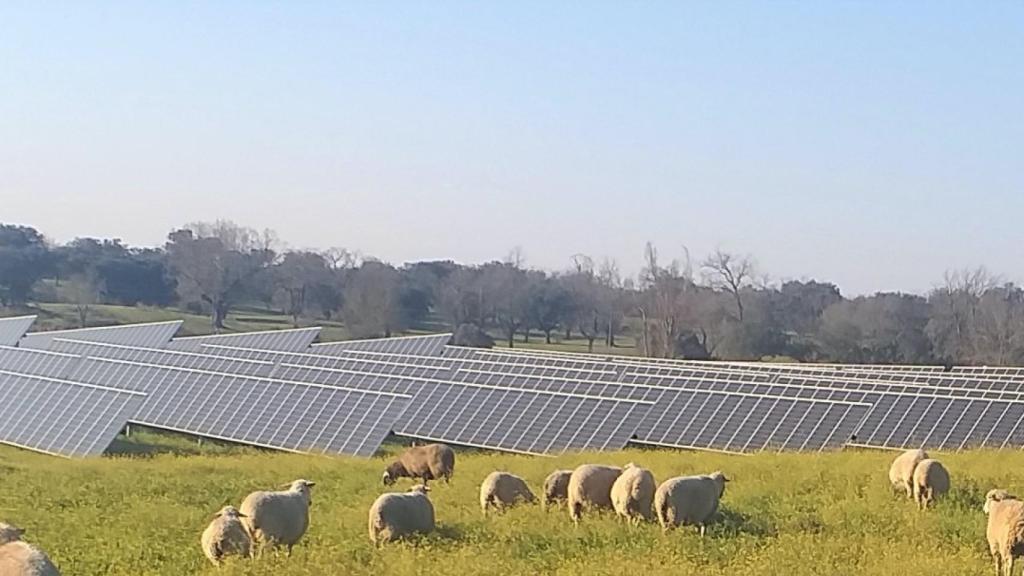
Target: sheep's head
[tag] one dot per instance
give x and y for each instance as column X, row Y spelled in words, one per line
column 720, row 480
column 229, row 512
column 996, row 495
column 303, row 487
column 10, row 533
column 393, row 472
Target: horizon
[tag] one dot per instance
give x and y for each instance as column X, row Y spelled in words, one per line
column 873, row 147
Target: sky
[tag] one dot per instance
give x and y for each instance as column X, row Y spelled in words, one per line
column 871, row 144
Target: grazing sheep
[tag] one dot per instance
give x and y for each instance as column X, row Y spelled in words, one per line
column 689, row 500
column 430, row 462
column 399, row 514
column 591, row 485
column 1005, row 531
column 19, row 558
column 931, row 480
column 501, row 489
column 633, row 493
column 225, row 535
column 901, row 473
column 556, row 487
column 274, row 518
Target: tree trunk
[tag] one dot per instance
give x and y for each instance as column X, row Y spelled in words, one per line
column 568, row 333
column 220, row 313
column 511, row 338
column 590, row 343
column 547, row 336
column 526, row 335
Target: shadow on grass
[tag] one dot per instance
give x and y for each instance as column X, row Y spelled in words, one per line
column 730, row 522
column 121, row 447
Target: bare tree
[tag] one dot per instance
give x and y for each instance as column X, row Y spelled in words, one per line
column 731, row 273
column 215, row 263
column 954, row 310
column 372, row 306
column 83, row 292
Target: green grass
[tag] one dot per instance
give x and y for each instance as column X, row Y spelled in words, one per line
column 792, row 514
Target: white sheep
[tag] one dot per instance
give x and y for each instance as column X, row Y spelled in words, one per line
column 1005, row 531
column 931, row 480
column 556, row 487
column 901, row 472
column 633, row 493
column 501, row 489
column 274, row 518
column 398, row 514
column 689, row 500
column 225, row 535
column 591, row 485
column 18, row 558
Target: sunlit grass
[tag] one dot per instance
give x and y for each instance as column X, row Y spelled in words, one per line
column 792, row 514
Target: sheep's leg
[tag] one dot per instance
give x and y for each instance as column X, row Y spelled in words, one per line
column 1009, row 564
column 289, row 550
column 999, row 564
column 702, row 530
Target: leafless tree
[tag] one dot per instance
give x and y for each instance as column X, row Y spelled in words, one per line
column 83, row 291
column 731, row 273
column 372, row 306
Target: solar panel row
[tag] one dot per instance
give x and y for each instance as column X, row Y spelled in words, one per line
column 13, row 328
column 428, row 345
column 61, row 417
column 152, row 335
column 294, row 340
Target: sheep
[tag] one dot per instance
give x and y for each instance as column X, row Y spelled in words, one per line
column 633, row 493
column 931, row 480
column 501, row 489
column 18, row 558
column 398, row 514
column 1005, row 531
column 689, row 500
column 556, row 487
column 274, row 518
column 901, row 473
column 225, row 535
column 430, row 462
column 590, row 485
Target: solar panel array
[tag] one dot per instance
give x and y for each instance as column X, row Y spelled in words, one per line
column 60, row 417
column 13, row 328
column 295, row 340
column 429, row 345
column 277, row 389
column 153, row 335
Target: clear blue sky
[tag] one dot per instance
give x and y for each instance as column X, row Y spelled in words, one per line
column 873, row 144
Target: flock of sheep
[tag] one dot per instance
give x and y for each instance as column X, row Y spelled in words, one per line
column 281, row 518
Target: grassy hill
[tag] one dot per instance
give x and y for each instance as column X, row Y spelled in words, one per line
column 792, row 514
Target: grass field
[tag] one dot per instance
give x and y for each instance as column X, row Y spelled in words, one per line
column 792, row 514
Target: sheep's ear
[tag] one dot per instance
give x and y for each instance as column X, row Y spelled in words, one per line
column 310, row 484
column 240, row 515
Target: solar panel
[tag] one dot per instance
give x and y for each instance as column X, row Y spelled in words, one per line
column 13, row 328
column 164, row 357
column 153, row 335
column 37, row 362
column 288, row 362
column 295, row 416
column 428, row 345
column 61, row 417
column 901, row 416
column 520, row 420
column 290, row 340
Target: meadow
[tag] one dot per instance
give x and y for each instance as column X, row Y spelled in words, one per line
column 140, row 512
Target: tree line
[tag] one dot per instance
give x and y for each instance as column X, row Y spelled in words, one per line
column 720, row 306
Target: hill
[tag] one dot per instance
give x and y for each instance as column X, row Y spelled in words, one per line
column 796, row 514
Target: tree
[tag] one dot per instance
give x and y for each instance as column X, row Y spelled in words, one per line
column 886, row 328
column 214, row 264
column 83, row 291
column 303, row 281
column 372, row 306
column 548, row 304
column 667, row 302
column 504, row 287
column 731, row 273
column 954, row 307
column 25, row 259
